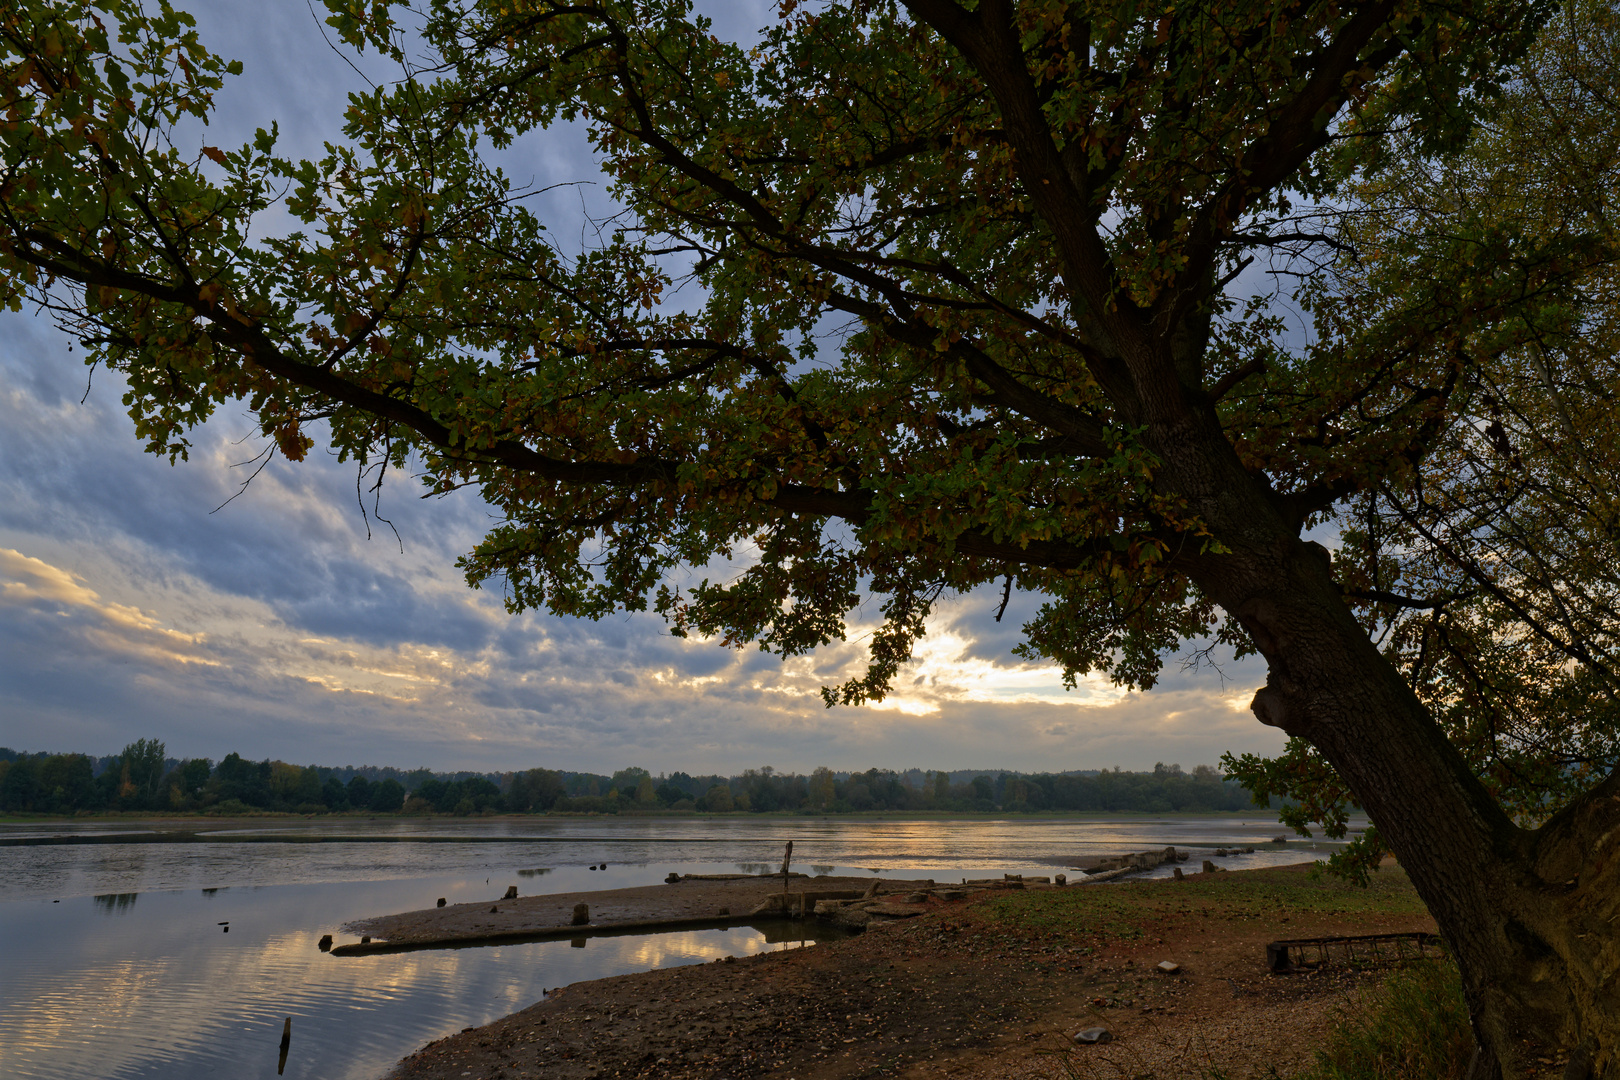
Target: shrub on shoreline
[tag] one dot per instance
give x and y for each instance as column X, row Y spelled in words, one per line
column 1414, row 1026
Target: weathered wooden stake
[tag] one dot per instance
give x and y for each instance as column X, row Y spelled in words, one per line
column 286, row 1041
column 787, row 857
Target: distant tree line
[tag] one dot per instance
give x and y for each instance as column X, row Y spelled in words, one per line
column 143, row 778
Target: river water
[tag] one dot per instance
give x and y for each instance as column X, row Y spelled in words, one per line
column 128, row 952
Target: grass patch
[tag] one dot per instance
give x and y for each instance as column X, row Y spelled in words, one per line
column 1131, row 910
column 1412, row 1027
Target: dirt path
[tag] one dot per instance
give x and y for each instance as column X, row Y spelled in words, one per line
column 982, row 988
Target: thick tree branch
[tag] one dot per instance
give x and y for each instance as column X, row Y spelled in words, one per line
column 990, row 42
column 1298, row 129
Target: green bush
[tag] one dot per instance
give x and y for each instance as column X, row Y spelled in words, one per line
column 1412, row 1027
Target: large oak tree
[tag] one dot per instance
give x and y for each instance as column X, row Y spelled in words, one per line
column 963, row 303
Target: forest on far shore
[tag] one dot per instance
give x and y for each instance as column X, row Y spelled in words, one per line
column 142, row 778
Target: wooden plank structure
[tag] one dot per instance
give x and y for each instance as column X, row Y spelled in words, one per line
column 1363, row 950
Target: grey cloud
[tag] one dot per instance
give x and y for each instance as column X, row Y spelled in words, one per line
column 292, row 539
column 515, row 697
column 972, row 616
column 353, row 600
column 1218, row 672
column 755, row 660
column 81, row 481
column 289, row 560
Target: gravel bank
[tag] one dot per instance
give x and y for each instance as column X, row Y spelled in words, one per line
column 970, row 990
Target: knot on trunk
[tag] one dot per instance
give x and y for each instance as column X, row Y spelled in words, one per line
column 1274, row 707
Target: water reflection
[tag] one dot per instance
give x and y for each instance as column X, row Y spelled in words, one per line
column 800, row 933
column 116, row 903
column 358, row 849
column 160, row 991
column 163, row 994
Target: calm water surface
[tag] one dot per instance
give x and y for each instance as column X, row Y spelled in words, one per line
column 117, row 961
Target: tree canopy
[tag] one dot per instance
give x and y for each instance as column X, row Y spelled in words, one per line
column 1488, row 570
column 913, row 297
column 903, row 327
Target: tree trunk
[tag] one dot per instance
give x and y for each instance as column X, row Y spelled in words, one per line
column 1532, row 917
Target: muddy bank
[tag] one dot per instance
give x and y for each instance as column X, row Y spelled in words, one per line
column 696, row 901
column 975, row 988
column 690, row 903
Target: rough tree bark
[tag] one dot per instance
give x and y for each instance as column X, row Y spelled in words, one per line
column 1530, row 915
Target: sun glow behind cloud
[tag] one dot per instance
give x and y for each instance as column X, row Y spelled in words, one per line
column 531, row 690
column 944, row 670
column 275, row 627
column 26, row 582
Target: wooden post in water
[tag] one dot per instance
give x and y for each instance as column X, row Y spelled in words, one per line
column 286, row 1041
column 787, row 856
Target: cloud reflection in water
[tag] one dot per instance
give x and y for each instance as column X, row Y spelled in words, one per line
column 159, row 992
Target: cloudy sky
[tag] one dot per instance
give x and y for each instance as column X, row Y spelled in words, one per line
column 133, row 603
